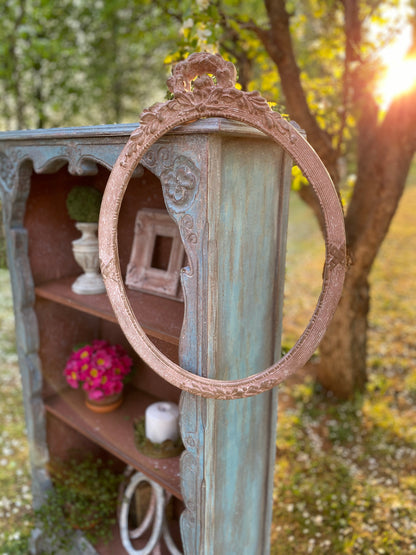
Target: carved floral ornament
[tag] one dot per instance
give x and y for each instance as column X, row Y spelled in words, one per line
column 221, row 99
column 180, row 183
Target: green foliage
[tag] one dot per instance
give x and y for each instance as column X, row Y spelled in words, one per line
column 39, row 76
column 85, row 62
column 128, row 42
column 167, row 448
column 83, row 204
column 223, row 27
column 76, row 63
column 298, row 179
column 84, row 497
column 319, row 39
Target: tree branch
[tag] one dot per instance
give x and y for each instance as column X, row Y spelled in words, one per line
column 278, row 43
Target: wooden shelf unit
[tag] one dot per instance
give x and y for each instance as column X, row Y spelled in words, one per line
column 39, row 168
column 53, row 319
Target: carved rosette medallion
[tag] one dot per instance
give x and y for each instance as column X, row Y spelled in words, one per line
column 180, row 178
column 180, row 184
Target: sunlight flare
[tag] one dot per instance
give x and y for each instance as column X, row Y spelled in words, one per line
column 399, row 79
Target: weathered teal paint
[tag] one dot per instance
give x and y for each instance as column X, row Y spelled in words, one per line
column 234, row 295
column 244, row 220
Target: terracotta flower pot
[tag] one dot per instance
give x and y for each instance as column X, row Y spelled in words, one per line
column 105, row 404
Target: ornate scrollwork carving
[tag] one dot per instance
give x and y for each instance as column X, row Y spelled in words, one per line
column 8, row 169
column 187, row 227
column 157, row 159
column 78, row 162
column 205, row 99
column 198, row 64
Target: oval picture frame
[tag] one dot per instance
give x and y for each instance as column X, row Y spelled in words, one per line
column 203, row 98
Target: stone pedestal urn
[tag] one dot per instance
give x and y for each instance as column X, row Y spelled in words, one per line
column 85, row 251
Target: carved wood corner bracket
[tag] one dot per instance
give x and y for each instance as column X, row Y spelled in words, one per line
column 204, row 86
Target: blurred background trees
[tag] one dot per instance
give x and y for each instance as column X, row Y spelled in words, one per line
column 81, row 62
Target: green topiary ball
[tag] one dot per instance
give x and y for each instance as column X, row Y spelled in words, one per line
column 83, row 204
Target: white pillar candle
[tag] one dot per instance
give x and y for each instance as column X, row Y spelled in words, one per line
column 162, row 422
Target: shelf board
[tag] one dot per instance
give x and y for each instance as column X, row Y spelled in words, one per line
column 114, row 432
column 160, row 318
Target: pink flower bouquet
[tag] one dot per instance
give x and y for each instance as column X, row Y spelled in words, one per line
column 100, row 367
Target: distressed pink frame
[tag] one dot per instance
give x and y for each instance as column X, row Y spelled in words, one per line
column 140, row 273
column 221, row 99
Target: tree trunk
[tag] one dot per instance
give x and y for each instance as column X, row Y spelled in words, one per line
column 383, row 169
column 343, row 350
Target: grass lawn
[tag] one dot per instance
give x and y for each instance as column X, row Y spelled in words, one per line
column 345, row 479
